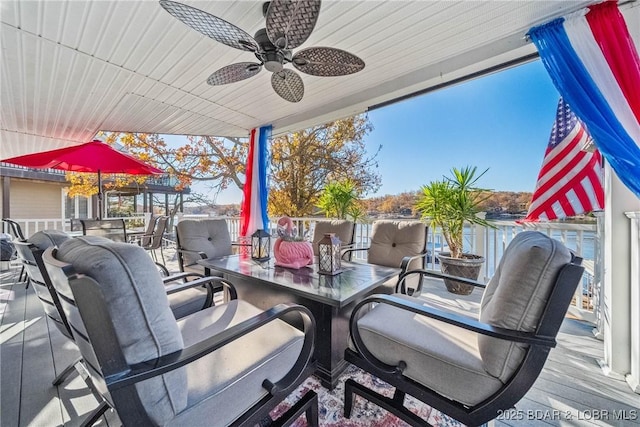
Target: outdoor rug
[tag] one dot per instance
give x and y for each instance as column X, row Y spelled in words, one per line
column 364, row 413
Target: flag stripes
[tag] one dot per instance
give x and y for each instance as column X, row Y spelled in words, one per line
column 569, row 182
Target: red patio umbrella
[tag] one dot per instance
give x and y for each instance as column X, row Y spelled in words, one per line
column 95, row 156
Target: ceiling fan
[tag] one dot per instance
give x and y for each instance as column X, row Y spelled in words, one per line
column 288, row 24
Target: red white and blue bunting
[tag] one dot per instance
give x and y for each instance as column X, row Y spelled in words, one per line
column 594, row 64
column 253, row 213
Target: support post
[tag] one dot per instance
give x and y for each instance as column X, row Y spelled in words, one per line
column 617, row 276
column 633, row 378
column 6, row 197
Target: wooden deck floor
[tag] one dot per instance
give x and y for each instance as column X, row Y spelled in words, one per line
column 572, row 389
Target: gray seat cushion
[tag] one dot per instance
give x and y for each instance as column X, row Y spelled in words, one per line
column 225, row 383
column 393, row 240
column 210, row 236
column 138, row 305
column 47, row 238
column 342, row 228
column 517, row 294
column 181, row 303
column 42, row 240
column 187, row 301
column 440, row 356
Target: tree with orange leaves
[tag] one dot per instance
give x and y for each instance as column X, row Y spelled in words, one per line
column 302, row 163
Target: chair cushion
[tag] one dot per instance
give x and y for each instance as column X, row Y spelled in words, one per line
column 225, row 383
column 210, row 236
column 47, row 238
column 517, row 294
column 187, row 301
column 43, row 240
column 343, row 229
column 139, row 308
column 440, row 356
column 393, row 240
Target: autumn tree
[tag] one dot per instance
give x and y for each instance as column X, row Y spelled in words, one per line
column 302, row 163
column 218, row 161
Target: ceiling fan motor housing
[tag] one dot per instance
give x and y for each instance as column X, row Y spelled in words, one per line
column 272, row 57
column 273, row 61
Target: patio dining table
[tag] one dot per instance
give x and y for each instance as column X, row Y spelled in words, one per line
column 330, row 298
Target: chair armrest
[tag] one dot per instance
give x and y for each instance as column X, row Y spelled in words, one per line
column 180, row 276
column 183, row 264
column 207, row 281
column 351, row 250
column 200, row 254
column 436, row 274
column 152, row 368
column 347, row 249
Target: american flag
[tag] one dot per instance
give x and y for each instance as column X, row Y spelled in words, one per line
column 570, row 180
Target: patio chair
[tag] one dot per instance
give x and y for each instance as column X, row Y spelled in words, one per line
column 143, row 237
column 344, row 230
column 201, row 239
column 401, row 244
column 470, row 369
column 182, row 300
column 229, row 364
column 153, row 240
column 30, row 253
column 113, row 229
column 15, row 230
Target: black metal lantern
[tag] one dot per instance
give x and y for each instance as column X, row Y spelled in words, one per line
column 329, row 254
column 260, row 245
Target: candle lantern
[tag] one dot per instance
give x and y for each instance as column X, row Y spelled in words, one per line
column 260, row 245
column 329, row 254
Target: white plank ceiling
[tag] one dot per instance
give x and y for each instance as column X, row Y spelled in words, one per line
column 73, row 68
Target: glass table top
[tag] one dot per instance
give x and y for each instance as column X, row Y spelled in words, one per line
column 355, row 280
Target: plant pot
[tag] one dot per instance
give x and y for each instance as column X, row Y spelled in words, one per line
column 468, row 266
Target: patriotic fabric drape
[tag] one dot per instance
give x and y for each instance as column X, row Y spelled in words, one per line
column 570, row 180
column 253, row 213
column 594, row 64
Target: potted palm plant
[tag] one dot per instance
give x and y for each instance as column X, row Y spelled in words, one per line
column 449, row 203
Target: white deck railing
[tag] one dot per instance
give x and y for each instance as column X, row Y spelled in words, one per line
column 31, row 226
column 489, row 242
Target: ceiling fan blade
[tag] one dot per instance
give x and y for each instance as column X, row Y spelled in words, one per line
column 327, row 62
column 288, row 84
column 211, row 26
column 234, row 73
column 290, row 22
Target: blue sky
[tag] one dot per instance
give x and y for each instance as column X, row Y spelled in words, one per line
column 501, row 122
